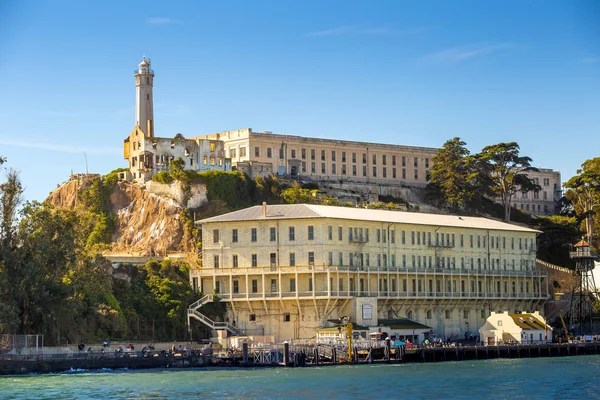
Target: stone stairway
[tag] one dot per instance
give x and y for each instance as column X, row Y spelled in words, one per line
column 197, row 315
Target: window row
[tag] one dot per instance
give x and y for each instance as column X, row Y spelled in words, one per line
column 418, row 238
column 414, row 286
column 383, row 260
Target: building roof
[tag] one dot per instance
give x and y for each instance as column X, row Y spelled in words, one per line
column 582, row 243
column 303, row 211
column 528, row 321
column 402, row 323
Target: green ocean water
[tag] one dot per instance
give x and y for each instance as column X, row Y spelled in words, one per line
column 540, row 378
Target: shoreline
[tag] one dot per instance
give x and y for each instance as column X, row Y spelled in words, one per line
column 43, row 364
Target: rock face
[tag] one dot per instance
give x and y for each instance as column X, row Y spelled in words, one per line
column 146, row 224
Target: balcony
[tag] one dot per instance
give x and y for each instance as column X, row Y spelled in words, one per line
column 385, row 294
column 358, row 239
column 393, row 270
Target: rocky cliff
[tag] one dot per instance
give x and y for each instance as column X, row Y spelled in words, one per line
column 146, row 224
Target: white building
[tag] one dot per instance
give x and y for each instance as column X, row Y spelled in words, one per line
column 148, row 155
column 523, row 328
column 286, row 269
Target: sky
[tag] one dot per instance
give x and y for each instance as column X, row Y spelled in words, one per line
column 401, row 72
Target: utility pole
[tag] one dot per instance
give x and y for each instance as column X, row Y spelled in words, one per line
column 86, row 164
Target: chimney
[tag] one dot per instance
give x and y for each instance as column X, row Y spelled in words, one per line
column 264, row 206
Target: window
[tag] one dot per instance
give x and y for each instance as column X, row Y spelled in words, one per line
column 272, row 234
column 310, row 285
column 384, row 159
column 232, row 153
column 374, row 171
column 281, row 153
column 374, row 159
column 254, row 260
column 330, row 232
column 343, row 169
column 322, row 155
column 236, row 286
column 364, row 172
column 292, row 233
column 311, row 258
column 416, row 174
column 254, row 285
column 252, row 317
column 340, row 233
column 253, row 235
column 269, row 152
column 482, row 313
column 303, row 154
column 364, row 158
column 273, row 285
column 311, row 233
column 292, row 259
column 323, row 168
column 466, row 314
column 234, row 235
column 215, row 236
column 257, row 152
column 313, row 153
column 292, row 284
column 242, row 152
column 235, row 261
column 428, row 314
column 333, row 169
column 218, row 287
column 353, row 157
column 447, row 314
column 313, row 167
column 384, row 172
column 293, row 153
column 273, row 259
column 354, row 170
column 343, row 156
column 286, row 317
column 216, row 261
column 416, row 162
column 332, row 155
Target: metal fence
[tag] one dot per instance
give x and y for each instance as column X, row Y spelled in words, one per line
column 20, row 343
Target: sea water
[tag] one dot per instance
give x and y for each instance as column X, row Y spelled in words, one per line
column 538, row 378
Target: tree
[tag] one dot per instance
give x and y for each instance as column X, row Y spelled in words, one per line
column 584, row 193
column 506, row 169
column 452, row 174
column 296, row 195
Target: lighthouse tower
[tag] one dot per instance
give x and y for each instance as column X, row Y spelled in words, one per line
column 144, row 110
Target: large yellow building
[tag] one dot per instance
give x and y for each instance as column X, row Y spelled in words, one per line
column 287, row 269
column 375, row 164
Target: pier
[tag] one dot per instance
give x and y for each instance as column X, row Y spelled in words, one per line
column 284, row 355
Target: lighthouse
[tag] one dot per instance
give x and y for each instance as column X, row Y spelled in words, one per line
column 144, row 109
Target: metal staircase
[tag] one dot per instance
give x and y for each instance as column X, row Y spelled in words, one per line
column 197, row 315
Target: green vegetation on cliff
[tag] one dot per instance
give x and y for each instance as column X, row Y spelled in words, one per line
column 54, row 282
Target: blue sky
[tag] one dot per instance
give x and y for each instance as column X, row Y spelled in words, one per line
column 404, row 72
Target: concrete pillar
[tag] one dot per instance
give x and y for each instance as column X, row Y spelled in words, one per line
column 245, row 352
column 286, row 354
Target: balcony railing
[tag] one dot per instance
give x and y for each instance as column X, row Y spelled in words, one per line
column 364, row 270
column 385, row 294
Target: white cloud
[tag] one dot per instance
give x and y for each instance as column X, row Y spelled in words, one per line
column 62, row 148
column 353, row 30
column 463, row 53
column 162, row 21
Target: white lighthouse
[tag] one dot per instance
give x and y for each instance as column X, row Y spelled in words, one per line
column 144, row 110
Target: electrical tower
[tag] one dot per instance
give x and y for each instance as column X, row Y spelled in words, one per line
column 584, row 290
